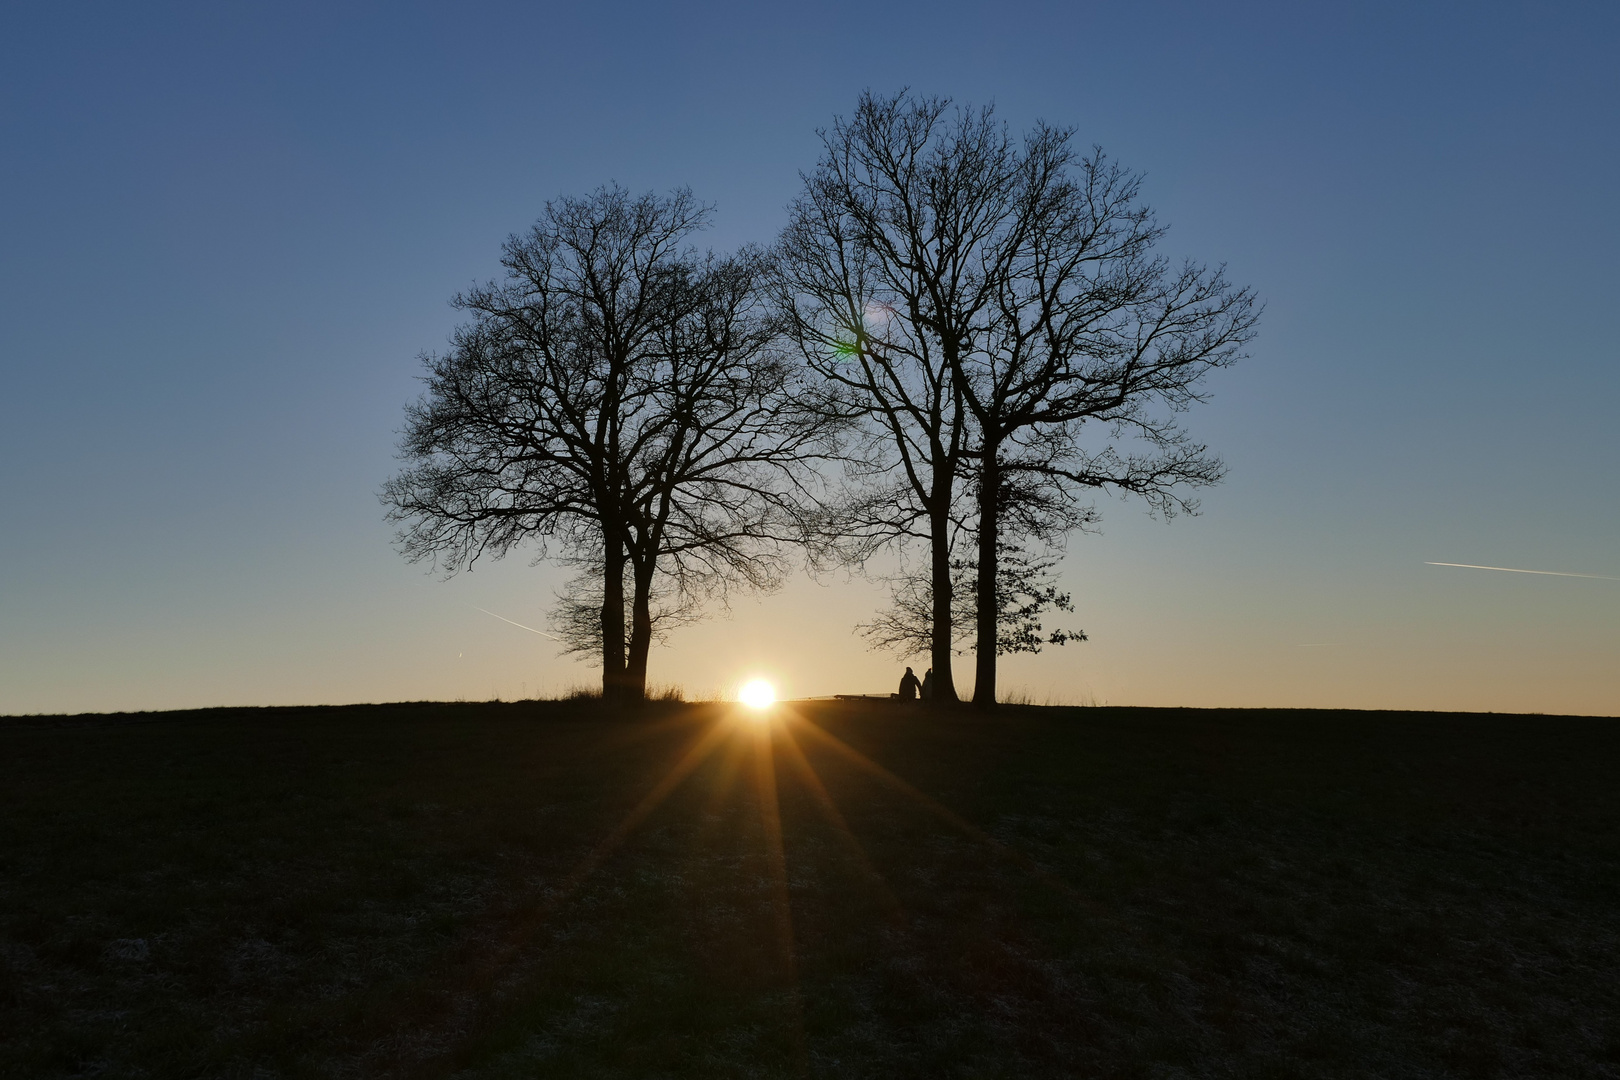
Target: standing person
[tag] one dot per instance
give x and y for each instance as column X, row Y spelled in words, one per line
column 909, row 686
column 928, row 685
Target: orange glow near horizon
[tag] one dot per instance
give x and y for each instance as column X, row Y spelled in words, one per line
column 757, row 694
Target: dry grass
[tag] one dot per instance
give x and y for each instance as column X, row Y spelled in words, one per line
column 423, row 890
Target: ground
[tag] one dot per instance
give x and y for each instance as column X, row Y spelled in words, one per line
column 847, row 890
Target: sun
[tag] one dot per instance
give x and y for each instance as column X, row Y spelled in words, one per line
column 757, row 694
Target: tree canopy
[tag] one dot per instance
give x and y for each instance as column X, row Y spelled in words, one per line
column 991, row 304
column 621, row 398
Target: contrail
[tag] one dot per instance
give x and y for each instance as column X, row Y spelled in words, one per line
column 1515, row 570
column 519, row 625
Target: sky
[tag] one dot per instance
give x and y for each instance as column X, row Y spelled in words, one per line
column 229, row 232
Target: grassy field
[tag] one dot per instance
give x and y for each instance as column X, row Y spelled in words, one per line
column 542, row 889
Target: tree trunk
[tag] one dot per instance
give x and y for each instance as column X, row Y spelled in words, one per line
column 613, row 670
column 635, row 675
column 984, row 683
column 944, row 687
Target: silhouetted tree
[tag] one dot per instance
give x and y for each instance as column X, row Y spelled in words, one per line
column 939, row 272
column 619, row 397
column 1089, row 331
column 879, row 276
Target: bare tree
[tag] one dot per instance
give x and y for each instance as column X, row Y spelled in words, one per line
column 991, row 304
column 619, row 398
column 1089, row 330
column 881, row 276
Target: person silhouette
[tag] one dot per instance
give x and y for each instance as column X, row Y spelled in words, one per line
column 928, row 685
column 909, row 686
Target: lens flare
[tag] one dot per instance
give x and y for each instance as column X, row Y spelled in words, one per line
column 757, row 694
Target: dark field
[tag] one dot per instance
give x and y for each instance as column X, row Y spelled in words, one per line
column 437, row 890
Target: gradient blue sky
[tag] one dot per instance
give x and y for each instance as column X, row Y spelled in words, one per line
column 227, row 231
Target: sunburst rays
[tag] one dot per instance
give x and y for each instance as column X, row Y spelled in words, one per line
column 736, row 735
column 741, row 749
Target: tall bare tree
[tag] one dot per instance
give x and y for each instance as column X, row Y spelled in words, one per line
column 619, row 398
column 880, row 275
column 1089, row 331
column 991, row 303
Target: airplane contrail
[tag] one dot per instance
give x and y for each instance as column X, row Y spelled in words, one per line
column 1515, row 570
column 519, row 625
